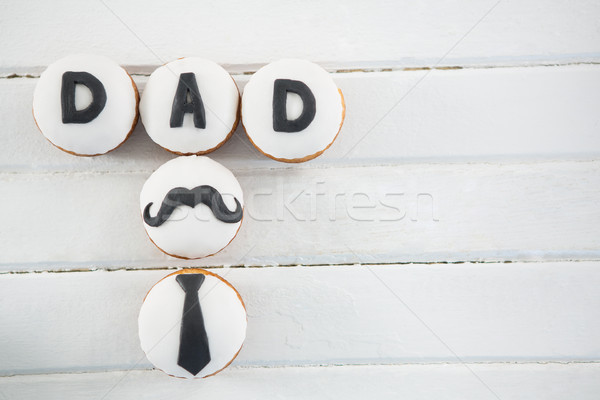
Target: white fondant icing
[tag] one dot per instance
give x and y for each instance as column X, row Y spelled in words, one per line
column 191, row 232
column 220, row 97
column 159, row 324
column 104, row 133
column 257, row 110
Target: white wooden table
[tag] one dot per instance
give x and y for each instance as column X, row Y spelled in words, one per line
column 446, row 246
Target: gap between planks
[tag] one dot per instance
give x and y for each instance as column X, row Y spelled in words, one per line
column 314, row 166
column 467, row 381
column 334, row 365
column 240, row 70
column 241, row 266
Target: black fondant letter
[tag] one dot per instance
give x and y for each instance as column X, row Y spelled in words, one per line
column 70, row 114
column 187, row 86
column 281, row 123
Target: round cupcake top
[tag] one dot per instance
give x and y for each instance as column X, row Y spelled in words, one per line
column 292, row 110
column 192, row 324
column 190, row 106
column 85, row 104
column 192, row 207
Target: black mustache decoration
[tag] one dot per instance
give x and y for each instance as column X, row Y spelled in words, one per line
column 181, row 196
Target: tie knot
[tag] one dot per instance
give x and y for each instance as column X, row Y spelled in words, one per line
column 190, row 282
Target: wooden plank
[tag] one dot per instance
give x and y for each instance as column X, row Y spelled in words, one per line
column 460, row 382
column 379, row 214
column 523, row 114
column 347, row 35
column 87, row 321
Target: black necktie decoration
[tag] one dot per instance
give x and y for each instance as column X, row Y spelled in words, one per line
column 194, row 353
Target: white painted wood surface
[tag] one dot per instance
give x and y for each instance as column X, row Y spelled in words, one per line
column 87, row 321
column 497, row 158
column 341, row 34
column 444, row 382
column 422, row 212
column 516, row 114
